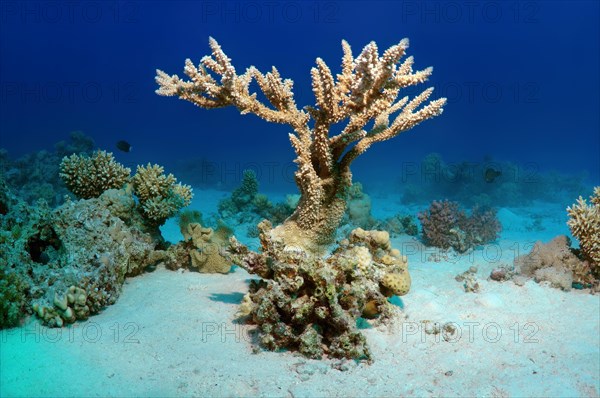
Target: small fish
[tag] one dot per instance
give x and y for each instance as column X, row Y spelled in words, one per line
column 491, row 174
column 124, row 146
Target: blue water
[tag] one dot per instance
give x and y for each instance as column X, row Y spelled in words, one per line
column 521, row 78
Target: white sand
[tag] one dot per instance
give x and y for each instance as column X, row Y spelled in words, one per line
column 172, row 334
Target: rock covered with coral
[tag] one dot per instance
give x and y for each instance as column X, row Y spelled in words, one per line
column 71, row 262
column 312, row 304
column 160, row 196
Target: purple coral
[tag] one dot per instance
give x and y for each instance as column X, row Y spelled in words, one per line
column 446, row 225
column 438, row 221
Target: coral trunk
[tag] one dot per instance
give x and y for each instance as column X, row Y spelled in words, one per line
column 319, row 212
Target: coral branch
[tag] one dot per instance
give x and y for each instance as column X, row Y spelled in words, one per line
column 366, row 92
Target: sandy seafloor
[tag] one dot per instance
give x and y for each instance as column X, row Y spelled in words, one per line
column 173, row 334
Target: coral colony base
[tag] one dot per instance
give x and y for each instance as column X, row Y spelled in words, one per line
column 67, row 263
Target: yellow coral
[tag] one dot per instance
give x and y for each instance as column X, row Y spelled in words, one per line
column 396, row 283
column 88, row 177
column 207, row 257
column 584, row 223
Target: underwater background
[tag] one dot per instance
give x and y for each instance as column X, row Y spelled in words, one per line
column 521, row 78
column 518, row 142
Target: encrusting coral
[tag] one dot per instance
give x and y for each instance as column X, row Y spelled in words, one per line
column 88, row 176
column 584, row 223
column 306, row 301
column 364, row 96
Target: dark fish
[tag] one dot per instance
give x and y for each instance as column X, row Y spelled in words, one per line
column 124, row 146
column 491, row 174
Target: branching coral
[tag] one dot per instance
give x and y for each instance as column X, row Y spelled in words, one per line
column 364, row 96
column 160, row 195
column 87, row 177
column 312, row 304
column 584, row 223
column 306, row 301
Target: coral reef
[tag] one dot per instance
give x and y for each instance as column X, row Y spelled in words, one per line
column 446, row 225
column 247, row 205
column 69, row 263
column 312, row 304
column 160, row 195
column 366, row 92
column 584, row 222
column 35, row 175
column 399, row 224
column 88, row 176
column 465, row 181
column 13, row 297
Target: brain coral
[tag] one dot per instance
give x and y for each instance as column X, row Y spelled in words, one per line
column 88, row 177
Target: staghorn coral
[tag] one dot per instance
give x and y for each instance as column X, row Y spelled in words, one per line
column 584, row 222
column 446, row 225
column 160, row 195
column 364, row 96
column 88, row 176
column 312, row 304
